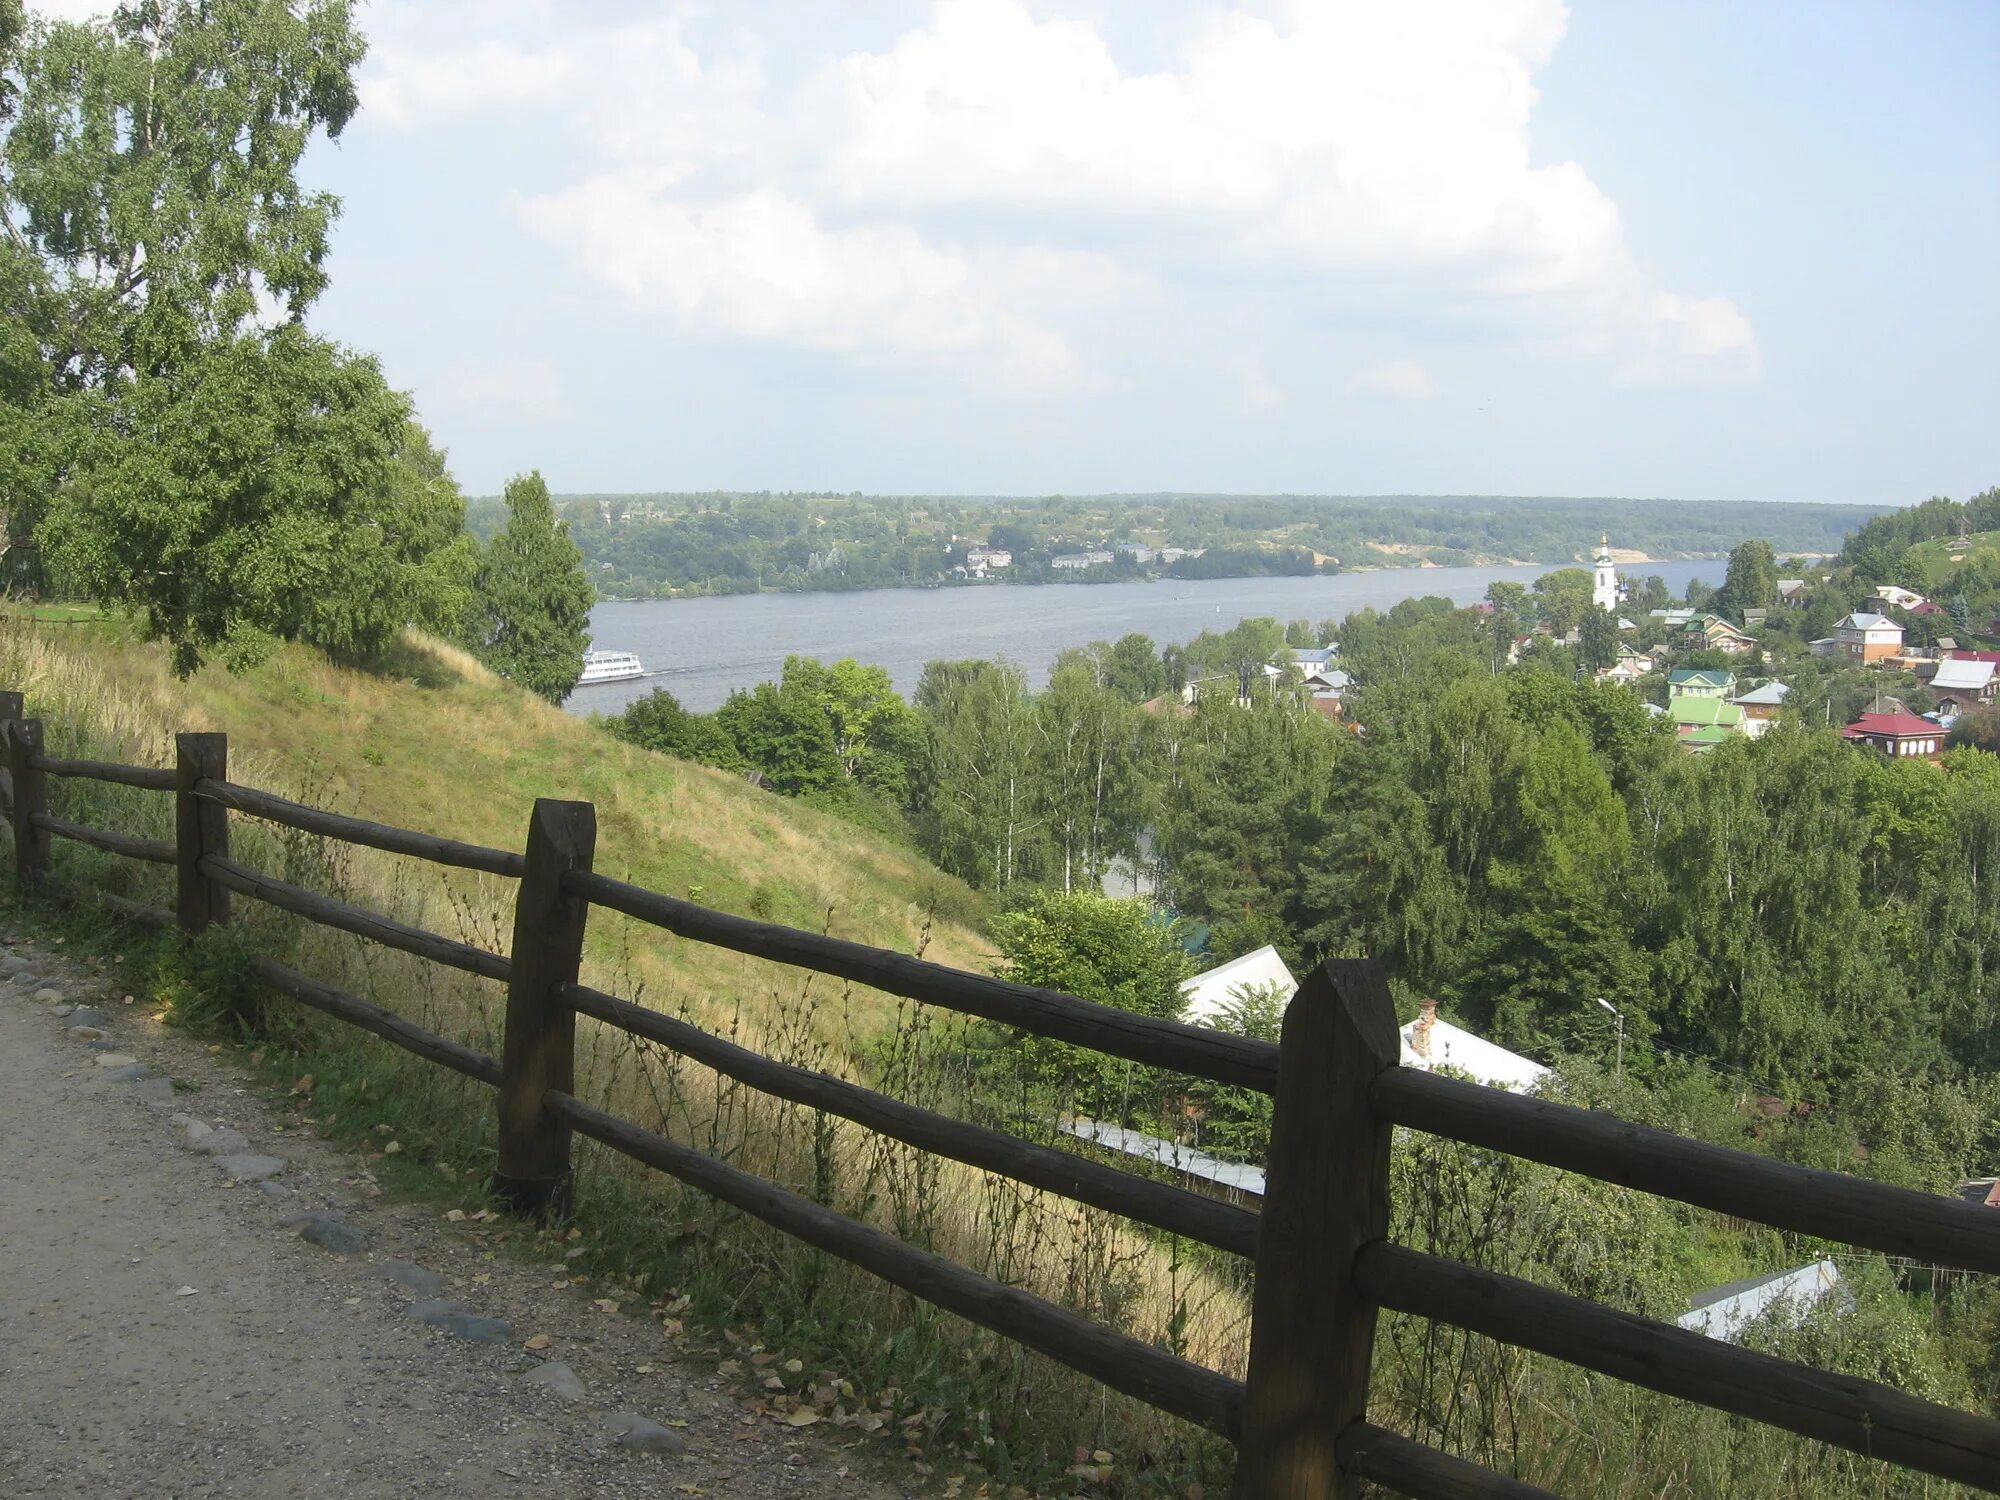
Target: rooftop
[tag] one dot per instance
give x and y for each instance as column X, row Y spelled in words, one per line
column 1964, row 676
column 1890, row 725
column 1770, row 695
column 1210, row 994
column 1683, row 709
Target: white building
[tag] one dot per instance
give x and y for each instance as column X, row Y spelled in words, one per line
column 1604, row 585
column 1077, row 561
column 1430, row 1043
column 1209, row 995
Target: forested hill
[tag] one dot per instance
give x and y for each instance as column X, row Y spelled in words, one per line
column 656, row 545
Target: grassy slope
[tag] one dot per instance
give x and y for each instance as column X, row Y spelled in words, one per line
column 441, row 745
column 1939, row 558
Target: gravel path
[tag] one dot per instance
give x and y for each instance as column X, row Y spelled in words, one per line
column 171, row 1327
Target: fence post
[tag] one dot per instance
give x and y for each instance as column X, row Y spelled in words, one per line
column 13, row 709
column 200, row 827
column 539, row 1050
column 1312, row 1337
column 31, row 800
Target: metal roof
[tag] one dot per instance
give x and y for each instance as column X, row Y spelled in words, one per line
column 1722, row 1312
column 1964, row 676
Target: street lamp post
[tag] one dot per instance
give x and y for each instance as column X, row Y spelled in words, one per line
column 1618, row 1016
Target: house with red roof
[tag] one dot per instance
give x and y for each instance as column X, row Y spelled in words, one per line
column 1898, row 734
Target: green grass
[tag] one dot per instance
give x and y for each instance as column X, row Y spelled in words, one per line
column 1940, row 558
column 55, row 613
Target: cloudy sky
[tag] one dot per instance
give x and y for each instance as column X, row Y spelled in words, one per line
column 1644, row 247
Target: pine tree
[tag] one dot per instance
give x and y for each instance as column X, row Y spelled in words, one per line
column 533, row 597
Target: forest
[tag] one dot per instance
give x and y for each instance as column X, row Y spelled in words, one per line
column 1787, row 913
column 665, row 545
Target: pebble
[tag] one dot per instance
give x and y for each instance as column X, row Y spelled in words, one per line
column 327, row 1232
column 158, row 1092
column 642, row 1434
column 557, row 1378
column 453, row 1317
column 83, row 1015
column 419, row 1279
column 223, row 1142
column 115, row 1059
column 249, row 1167
column 130, row 1073
column 49, row 996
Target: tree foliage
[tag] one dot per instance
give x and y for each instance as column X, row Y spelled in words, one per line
column 532, row 599
column 172, row 439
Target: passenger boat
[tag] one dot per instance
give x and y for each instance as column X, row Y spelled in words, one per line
column 609, row 666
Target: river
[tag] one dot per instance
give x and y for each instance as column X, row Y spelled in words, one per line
column 703, row 649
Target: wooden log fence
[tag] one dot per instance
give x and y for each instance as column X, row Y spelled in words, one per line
column 1324, row 1267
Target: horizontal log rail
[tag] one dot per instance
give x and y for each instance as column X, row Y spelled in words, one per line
column 146, row 778
column 1806, row 1200
column 130, row 845
column 1176, row 1210
column 1423, row 1473
column 1862, row 1416
column 1194, row 1050
column 1316, row 1331
column 427, row 846
column 328, row 912
column 396, row 1030
column 1159, row 1379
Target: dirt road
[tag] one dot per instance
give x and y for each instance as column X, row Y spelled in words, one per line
column 173, row 1325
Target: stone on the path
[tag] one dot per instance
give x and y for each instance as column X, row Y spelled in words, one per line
column 419, row 1279
column 115, row 1059
column 329, row 1233
column 84, row 1015
column 101, row 1044
column 557, row 1378
column 85, row 1034
column 13, row 963
column 456, row 1318
column 158, row 1092
column 247, row 1166
column 642, row 1434
column 49, row 995
column 130, row 1073
column 225, row 1141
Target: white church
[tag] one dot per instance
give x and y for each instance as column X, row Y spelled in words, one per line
column 1604, row 587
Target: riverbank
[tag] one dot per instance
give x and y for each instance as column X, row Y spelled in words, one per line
column 701, row 650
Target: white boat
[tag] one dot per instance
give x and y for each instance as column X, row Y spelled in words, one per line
column 609, row 666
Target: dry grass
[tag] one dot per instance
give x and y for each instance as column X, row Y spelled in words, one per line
column 451, row 750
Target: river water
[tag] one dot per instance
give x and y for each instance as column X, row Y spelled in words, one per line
column 703, row 649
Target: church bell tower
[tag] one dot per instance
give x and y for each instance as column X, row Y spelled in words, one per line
column 1604, row 589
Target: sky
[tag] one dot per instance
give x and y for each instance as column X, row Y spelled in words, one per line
column 1649, row 248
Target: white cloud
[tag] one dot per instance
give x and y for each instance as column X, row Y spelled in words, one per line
column 407, row 89
column 993, row 190
column 1404, row 379
column 760, row 264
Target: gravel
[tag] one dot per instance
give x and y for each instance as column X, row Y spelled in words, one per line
column 290, row 1371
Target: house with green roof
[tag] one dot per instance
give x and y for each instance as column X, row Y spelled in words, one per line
column 1702, row 740
column 1703, row 722
column 1700, row 682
